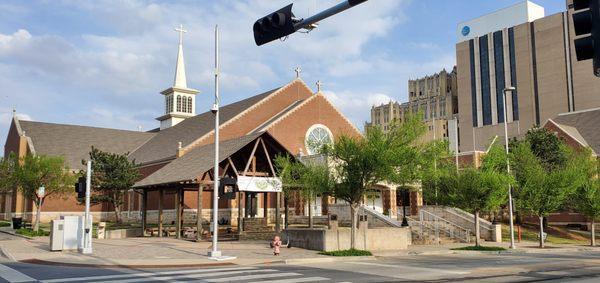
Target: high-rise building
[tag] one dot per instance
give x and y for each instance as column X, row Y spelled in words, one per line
column 434, row 96
column 521, row 47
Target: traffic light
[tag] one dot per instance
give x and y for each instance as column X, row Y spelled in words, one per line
column 586, row 21
column 80, row 187
column 274, row 26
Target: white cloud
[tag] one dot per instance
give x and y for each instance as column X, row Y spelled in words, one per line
column 355, row 105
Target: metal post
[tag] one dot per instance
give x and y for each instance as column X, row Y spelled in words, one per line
column 456, row 142
column 510, row 200
column 305, row 23
column 215, row 253
column 87, row 236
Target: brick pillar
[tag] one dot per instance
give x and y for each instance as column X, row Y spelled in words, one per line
column 416, row 201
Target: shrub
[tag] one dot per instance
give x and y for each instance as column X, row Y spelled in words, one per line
column 350, row 252
column 4, row 224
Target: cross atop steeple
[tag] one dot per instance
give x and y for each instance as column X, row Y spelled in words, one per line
column 298, row 70
column 181, row 32
column 319, row 84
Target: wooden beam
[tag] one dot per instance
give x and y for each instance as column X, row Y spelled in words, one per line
column 256, row 174
column 251, row 156
column 144, row 212
column 199, row 215
column 177, row 215
column 268, row 157
column 233, row 166
column 161, row 194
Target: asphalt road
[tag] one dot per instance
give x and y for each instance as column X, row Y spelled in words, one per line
column 573, row 267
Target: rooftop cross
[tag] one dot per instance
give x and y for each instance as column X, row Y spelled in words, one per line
column 298, row 70
column 181, row 32
column 319, row 83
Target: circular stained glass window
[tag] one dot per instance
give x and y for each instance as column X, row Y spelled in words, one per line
column 316, row 137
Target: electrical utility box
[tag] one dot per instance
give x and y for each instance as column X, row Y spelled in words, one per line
column 57, row 235
column 71, row 229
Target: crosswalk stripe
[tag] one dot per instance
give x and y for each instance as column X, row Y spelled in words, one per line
column 146, row 274
column 252, row 277
column 295, row 280
column 187, row 276
column 12, row 275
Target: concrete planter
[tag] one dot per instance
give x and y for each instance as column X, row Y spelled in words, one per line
column 123, row 233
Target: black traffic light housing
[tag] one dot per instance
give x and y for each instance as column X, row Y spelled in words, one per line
column 274, row 26
column 80, row 187
column 586, row 22
column 228, row 187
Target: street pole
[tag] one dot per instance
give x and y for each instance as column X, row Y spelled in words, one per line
column 456, row 142
column 510, row 200
column 87, row 236
column 215, row 253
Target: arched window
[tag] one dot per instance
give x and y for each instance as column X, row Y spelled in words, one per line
column 179, row 103
column 189, row 105
column 170, row 103
column 184, row 104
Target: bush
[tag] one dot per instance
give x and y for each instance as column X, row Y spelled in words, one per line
column 350, row 252
column 30, row 233
column 479, row 248
column 4, row 224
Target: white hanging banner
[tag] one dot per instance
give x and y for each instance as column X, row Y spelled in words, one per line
column 259, row 184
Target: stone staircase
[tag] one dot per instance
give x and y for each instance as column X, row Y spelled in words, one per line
column 257, row 229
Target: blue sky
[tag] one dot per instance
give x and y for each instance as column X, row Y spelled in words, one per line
column 103, row 63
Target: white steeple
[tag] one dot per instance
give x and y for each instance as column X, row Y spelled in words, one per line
column 180, row 101
column 180, row 80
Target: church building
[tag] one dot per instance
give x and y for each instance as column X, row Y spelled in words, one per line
column 176, row 159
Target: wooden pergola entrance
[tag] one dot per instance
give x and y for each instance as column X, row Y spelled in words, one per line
column 246, row 156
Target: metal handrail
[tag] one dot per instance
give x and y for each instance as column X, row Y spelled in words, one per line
column 454, row 230
column 460, row 213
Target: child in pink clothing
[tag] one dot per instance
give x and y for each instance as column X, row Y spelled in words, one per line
column 276, row 245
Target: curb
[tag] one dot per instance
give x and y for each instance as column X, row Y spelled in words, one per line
column 518, row 251
column 6, row 254
column 57, row 263
column 16, row 235
column 328, row 259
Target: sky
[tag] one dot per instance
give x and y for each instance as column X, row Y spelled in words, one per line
column 103, row 63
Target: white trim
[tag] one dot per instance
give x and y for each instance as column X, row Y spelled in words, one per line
column 580, row 111
column 569, row 134
column 313, row 127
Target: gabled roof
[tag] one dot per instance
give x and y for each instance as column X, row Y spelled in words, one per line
column 583, row 126
column 199, row 160
column 75, row 142
column 164, row 144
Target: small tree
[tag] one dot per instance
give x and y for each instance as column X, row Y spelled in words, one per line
column 542, row 192
column 477, row 190
column 7, row 173
column 358, row 165
column 112, row 176
column 587, row 197
column 33, row 172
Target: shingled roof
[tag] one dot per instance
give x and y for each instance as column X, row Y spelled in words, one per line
column 164, row 144
column 196, row 162
column 75, row 142
column 582, row 124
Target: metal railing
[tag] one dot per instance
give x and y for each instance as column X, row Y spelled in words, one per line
column 439, row 225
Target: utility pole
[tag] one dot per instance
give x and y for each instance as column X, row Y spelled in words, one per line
column 510, row 199
column 87, row 225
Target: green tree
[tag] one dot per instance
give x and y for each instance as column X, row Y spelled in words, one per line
column 547, row 147
column 311, row 178
column 36, row 171
column 541, row 191
column 360, row 163
column 112, row 176
column 477, row 190
column 587, row 197
column 7, row 173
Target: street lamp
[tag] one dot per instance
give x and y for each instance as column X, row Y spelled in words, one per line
column 404, row 201
column 507, row 90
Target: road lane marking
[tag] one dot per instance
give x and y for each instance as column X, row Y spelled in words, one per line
column 411, row 267
column 252, row 277
column 295, row 280
column 12, row 275
column 187, row 276
column 145, row 274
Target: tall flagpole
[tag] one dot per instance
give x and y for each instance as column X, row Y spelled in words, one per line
column 215, row 253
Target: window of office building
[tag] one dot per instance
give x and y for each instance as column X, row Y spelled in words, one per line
column 473, row 82
column 513, row 72
column 499, row 68
column 484, row 64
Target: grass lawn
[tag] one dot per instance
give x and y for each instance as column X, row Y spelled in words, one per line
column 30, row 233
column 350, row 252
column 531, row 234
column 479, row 248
